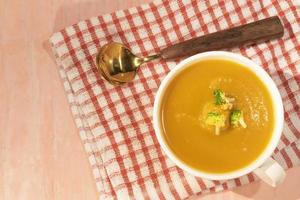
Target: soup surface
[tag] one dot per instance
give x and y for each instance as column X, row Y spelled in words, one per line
column 183, row 116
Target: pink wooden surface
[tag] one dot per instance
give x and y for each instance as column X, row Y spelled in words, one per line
column 39, row 140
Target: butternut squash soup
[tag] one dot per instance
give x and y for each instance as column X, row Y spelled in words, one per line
column 217, row 116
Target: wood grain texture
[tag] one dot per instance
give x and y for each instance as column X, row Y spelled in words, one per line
column 255, row 32
column 41, row 154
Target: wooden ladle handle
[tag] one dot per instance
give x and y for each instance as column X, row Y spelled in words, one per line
column 259, row 31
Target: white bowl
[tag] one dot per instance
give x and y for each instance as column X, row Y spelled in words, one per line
column 264, row 77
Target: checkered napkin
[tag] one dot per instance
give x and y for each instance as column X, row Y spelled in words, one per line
column 115, row 122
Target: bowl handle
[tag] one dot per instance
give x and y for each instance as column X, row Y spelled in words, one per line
column 270, row 172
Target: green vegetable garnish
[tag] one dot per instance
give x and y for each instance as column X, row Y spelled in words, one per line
column 219, row 97
column 222, row 100
column 215, row 119
column 237, row 118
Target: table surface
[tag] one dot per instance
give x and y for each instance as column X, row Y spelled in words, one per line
column 39, row 140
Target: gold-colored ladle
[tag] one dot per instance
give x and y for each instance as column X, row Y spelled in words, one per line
column 118, row 65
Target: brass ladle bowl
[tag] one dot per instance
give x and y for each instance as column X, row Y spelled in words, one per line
column 118, row 65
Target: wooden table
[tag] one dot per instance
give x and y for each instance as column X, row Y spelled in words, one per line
column 40, row 152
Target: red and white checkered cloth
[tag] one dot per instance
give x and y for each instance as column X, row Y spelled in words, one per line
column 115, row 122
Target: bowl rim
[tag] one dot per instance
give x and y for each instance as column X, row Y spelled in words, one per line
column 261, row 74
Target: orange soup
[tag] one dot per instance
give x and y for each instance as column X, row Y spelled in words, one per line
column 190, row 102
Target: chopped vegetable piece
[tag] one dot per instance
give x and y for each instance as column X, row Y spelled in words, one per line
column 219, row 97
column 222, row 100
column 215, row 119
column 237, row 118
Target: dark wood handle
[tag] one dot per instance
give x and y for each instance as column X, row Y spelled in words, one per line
column 259, row 31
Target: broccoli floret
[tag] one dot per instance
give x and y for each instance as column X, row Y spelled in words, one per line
column 219, row 97
column 215, row 119
column 237, row 118
column 222, row 100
